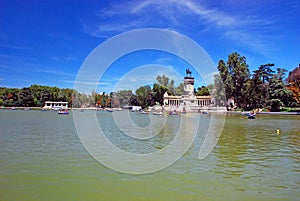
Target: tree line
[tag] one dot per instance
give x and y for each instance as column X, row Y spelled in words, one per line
column 266, row 87
column 36, row 95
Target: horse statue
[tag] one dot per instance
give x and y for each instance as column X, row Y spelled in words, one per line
column 188, row 72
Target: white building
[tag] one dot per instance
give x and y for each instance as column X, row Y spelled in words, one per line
column 52, row 105
column 188, row 101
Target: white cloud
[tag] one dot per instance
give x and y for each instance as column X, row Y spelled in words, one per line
column 47, row 71
column 85, row 82
column 169, row 13
column 249, row 30
column 64, row 58
column 185, row 7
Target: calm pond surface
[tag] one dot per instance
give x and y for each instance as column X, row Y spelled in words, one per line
column 42, row 158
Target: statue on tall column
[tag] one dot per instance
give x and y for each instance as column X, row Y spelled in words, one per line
column 188, row 72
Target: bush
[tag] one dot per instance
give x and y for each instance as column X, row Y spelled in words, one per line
column 274, row 105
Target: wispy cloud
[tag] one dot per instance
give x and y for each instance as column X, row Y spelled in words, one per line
column 15, row 47
column 64, row 58
column 54, row 72
column 172, row 8
column 247, row 29
column 84, row 82
column 140, row 14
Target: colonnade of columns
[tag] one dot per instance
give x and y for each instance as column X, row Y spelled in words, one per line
column 175, row 102
column 201, row 102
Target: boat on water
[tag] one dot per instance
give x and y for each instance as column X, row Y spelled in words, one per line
column 251, row 116
column 173, row 112
column 157, row 113
column 144, row 112
column 56, row 105
column 63, row 111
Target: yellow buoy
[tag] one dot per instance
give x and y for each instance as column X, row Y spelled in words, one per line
column 277, row 131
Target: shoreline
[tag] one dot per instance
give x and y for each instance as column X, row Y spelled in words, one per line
column 269, row 113
column 210, row 111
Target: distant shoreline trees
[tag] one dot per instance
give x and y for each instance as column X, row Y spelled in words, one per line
column 264, row 88
column 37, row 95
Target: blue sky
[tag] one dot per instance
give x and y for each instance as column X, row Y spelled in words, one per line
column 46, row 42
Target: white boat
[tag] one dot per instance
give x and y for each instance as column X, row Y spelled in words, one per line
column 64, row 111
column 55, row 105
column 157, row 113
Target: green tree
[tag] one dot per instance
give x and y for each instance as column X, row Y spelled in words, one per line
column 26, row 97
column 226, row 78
column 235, row 76
column 265, row 72
column 144, row 96
column 279, row 95
column 10, row 96
column 202, row 91
column 178, row 91
column 159, row 91
column 163, row 80
column 172, row 86
column 218, row 91
column 257, row 92
column 123, row 97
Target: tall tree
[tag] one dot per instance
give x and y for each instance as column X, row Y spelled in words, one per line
column 226, row 78
column 178, row 91
column 257, row 91
column 158, row 92
column 279, row 95
column 202, row 91
column 294, row 83
column 235, row 76
column 218, row 91
column 144, row 96
column 265, row 72
column 163, row 80
column 123, row 97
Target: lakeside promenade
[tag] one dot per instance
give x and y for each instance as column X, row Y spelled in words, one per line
column 212, row 111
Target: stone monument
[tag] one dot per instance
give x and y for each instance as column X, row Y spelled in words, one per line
column 188, row 101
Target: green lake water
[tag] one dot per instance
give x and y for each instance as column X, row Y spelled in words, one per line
column 42, row 158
